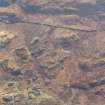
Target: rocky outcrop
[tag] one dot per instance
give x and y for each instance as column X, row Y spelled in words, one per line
column 5, row 38
column 52, row 52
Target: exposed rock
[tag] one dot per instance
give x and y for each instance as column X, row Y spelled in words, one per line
column 37, row 47
column 92, row 66
column 35, row 40
column 5, row 38
column 37, row 51
column 84, row 66
column 22, row 56
column 60, row 46
column 7, row 98
column 89, row 85
column 22, row 53
column 4, row 65
column 67, row 43
column 33, row 92
column 16, row 72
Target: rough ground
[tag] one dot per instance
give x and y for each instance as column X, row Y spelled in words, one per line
column 52, row 52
